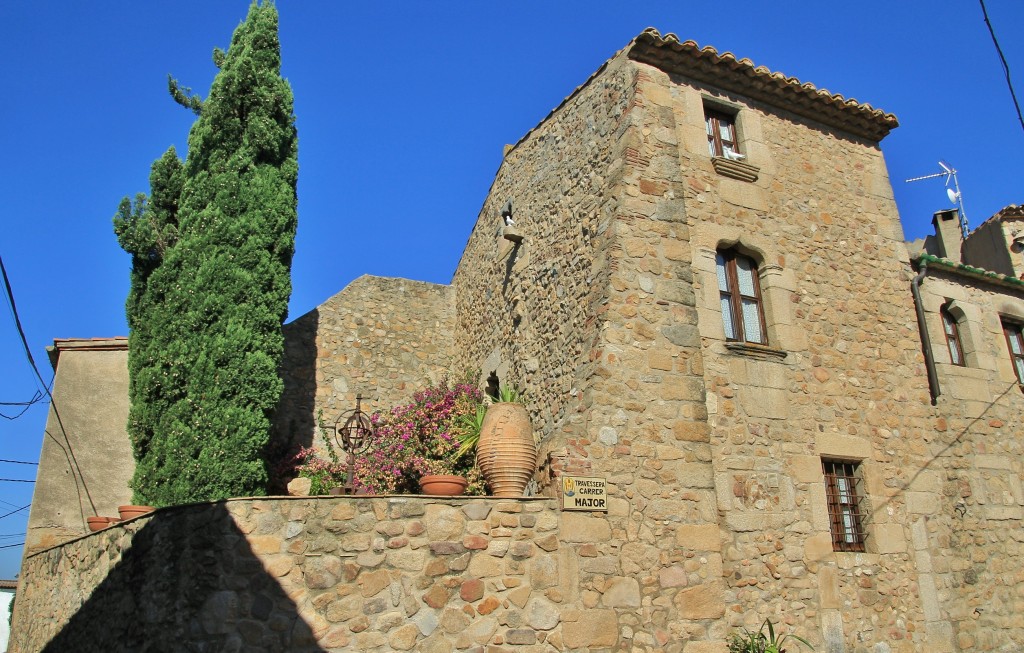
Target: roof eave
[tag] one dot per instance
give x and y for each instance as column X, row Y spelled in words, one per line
column 970, row 272
column 741, row 76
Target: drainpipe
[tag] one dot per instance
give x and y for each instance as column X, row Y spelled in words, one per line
column 926, row 342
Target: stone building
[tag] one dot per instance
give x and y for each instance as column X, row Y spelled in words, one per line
column 709, row 302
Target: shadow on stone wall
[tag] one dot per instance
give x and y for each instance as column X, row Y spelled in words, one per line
column 188, row 581
column 294, row 423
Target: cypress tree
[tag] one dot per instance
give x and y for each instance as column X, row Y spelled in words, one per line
column 220, row 294
column 147, row 229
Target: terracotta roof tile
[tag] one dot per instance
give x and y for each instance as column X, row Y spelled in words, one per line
column 725, row 71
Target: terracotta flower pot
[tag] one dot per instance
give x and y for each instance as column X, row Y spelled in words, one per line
column 506, row 453
column 131, row 512
column 97, row 523
column 443, row 485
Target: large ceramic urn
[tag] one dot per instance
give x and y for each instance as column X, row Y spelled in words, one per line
column 506, row 453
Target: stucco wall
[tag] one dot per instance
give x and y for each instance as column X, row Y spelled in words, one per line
column 86, row 458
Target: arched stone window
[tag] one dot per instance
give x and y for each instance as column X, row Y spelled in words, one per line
column 740, row 294
column 955, row 345
column 1014, row 333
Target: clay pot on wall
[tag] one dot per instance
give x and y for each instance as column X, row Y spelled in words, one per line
column 131, row 512
column 97, row 523
column 444, row 485
column 506, row 453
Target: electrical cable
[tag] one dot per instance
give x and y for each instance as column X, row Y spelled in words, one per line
column 17, row 480
column 69, row 453
column 1002, row 58
column 8, row 514
column 17, row 462
column 36, row 398
column 11, row 546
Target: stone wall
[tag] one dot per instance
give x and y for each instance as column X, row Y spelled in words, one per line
column 333, row 574
column 841, row 377
column 968, row 515
column 531, row 312
column 381, row 338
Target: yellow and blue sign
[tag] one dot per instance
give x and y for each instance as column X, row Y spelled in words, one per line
column 584, row 493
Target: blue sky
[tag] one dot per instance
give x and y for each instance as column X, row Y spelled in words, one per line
column 402, row 111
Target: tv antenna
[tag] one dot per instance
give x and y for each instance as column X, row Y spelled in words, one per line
column 954, row 194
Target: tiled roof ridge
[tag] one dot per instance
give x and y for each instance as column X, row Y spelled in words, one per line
column 970, row 271
column 743, row 76
column 1009, row 211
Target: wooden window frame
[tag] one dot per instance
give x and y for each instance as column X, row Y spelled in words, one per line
column 1014, row 331
column 845, row 506
column 954, row 343
column 736, row 298
column 714, row 119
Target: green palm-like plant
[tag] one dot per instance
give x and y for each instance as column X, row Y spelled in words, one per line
column 508, row 394
column 760, row 642
column 469, row 430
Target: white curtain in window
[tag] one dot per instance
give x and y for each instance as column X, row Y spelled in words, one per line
column 751, row 321
column 727, row 319
column 723, row 281
column 745, row 276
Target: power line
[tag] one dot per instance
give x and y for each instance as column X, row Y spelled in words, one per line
column 17, row 480
column 1002, row 58
column 8, row 514
column 18, row 462
column 36, row 398
column 69, row 452
column 11, row 546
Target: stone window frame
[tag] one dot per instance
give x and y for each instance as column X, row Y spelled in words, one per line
column 970, row 322
column 846, row 503
column 951, row 329
column 777, row 285
column 1013, row 331
column 1005, row 310
column 738, row 166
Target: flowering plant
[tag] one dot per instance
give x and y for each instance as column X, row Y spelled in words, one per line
column 422, row 437
column 324, row 468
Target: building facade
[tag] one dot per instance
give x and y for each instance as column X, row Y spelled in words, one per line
column 709, row 303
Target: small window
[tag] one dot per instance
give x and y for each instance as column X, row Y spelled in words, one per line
column 845, row 512
column 1015, row 342
column 721, row 129
column 740, row 292
column 956, row 348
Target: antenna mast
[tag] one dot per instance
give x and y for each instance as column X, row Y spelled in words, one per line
column 954, row 194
